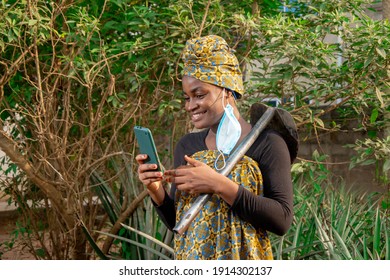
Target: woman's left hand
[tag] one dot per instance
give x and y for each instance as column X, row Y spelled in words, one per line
column 194, row 178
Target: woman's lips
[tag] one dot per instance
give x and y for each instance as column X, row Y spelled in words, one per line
column 195, row 117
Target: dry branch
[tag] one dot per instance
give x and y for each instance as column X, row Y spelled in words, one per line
column 129, row 211
column 10, row 148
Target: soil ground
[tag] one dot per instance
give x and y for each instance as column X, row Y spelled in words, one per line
column 7, row 226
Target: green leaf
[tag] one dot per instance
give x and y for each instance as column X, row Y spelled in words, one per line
column 386, row 166
column 387, row 242
column 296, row 240
column 374, row 115
column 297, row 168
column 344, row 219
column 151, row 238
column 317, row 187
column 377, row 232
column 319, row 122
column 32, row 22
column 93, row 244
column 324, row 237
column 365, row 248
column 381, row 52
column 138, row 244
column 342, row 244
column 368, row 162
column 107, row 197
column 379, row 95
column 40, row 252
column 368, row 60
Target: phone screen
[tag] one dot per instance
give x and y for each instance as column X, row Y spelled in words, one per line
column 146, row 145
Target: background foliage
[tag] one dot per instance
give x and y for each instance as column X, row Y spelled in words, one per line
column 76, row 76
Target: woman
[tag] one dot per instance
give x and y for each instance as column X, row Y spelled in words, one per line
column 234, row 223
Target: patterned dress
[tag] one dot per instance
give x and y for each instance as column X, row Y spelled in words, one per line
column 217, row 233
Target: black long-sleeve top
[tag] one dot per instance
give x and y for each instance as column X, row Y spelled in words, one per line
column 273, row 211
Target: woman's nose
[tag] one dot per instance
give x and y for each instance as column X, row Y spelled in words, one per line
column 191, row 104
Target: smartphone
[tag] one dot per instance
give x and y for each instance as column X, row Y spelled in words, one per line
column 146, row 145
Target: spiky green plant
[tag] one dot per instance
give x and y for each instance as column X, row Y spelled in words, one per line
column 133, row 230
column 333, row 222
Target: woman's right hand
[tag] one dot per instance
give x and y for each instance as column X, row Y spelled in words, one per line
column 148, row 174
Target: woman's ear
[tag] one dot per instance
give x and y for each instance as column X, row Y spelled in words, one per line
column 232, row 95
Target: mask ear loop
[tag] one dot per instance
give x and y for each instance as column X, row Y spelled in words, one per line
column 223, row 95
column 219, row 151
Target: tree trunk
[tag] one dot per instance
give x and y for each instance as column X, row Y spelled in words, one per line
column 80, row 246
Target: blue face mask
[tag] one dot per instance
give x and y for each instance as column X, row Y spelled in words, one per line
column 228, row 133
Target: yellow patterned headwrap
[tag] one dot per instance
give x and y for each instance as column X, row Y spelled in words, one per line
column 210, row 60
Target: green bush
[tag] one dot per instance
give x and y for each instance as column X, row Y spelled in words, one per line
column 75, row 76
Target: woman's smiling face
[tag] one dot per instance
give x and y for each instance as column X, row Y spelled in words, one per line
column 203, row 102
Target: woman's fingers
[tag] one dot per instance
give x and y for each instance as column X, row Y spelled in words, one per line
column 147, row 168
column 171, row 175
column 141, row 158
column 147, row 172
column 193, row 161
column 192, row 178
